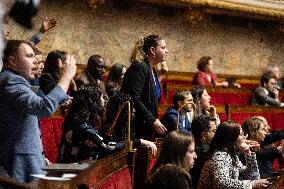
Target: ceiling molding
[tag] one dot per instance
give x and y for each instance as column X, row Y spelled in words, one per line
column 253, row 8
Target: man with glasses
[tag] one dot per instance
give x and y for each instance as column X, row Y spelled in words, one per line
column 203, row 130
column 93, row 74
column 267, row 94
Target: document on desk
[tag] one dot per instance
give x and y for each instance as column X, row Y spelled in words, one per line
column 64, row 177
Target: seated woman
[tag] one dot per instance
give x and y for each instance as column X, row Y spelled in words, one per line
column 178, row 149
column 80, row 139
column 206, row 77
column 203, row 107
column 169, row 176
column 256, row 130
column 115, row 77
column 223, row 170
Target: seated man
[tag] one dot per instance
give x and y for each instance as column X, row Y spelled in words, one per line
column 183, row 103
column 93, row 74
column 21, row 151
column 267, row 94
column 276, row 72
column 203, row 130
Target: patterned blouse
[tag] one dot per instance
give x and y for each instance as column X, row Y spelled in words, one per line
column 220, row 173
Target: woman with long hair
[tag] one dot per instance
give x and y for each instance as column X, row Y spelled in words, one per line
column 52, row 72
column 257, row 129
column 115, row 78
column 80, row 139
column 178, row 149
column 202, row 101
column 224, row 170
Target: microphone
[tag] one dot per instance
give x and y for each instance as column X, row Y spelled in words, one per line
column 194, row 106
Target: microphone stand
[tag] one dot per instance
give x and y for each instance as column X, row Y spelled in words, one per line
column 109, row 132
column 179, row 113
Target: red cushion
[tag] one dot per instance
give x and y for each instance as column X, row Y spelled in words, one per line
column 223, row 117
column 119, row 180
column 57, row 128
column 239, row 117
column 152, row 163
column 277, row 120
column 48, row 140
column 217, row 98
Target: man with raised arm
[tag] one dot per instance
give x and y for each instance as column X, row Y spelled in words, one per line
column 21, row 151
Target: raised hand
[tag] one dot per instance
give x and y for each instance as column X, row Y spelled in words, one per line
column 47, row 24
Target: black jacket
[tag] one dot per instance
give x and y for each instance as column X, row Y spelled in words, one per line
column 138, row 82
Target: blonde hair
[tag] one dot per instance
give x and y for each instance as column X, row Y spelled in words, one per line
column 137, row 54
column 251, row 127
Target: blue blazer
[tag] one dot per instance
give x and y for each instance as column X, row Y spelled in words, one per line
column 170, row 121
column 21, row 151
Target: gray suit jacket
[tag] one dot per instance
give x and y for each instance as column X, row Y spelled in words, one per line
column 261, row 98
column 21, row 151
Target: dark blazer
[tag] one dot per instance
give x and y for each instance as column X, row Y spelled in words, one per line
column 170, row 121
column 261, row 98
column 21, row 151
column 138, row 82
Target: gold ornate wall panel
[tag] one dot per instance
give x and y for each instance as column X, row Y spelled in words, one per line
column 236, row 49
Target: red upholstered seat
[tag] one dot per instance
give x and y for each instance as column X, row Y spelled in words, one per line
column 119, row 180
column 48, row 139
column 223, row 117
column 277, row 120
column 170, row 97
column 152, row 163
column 163, row 98
column 50, row 134
column 217, row 98
column 57, row 128
column 239, row 117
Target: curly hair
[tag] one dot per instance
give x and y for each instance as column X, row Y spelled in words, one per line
column 86, row 106
column 225, row 139
column 137, row 54
column 202, row 62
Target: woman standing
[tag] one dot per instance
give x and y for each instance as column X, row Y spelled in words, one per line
column 142, row 84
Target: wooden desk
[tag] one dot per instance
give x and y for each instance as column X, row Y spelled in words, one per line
column 95, row 174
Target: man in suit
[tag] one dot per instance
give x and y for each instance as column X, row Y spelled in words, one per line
column 183, row 103
column 267, row 94
column 21, row 151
